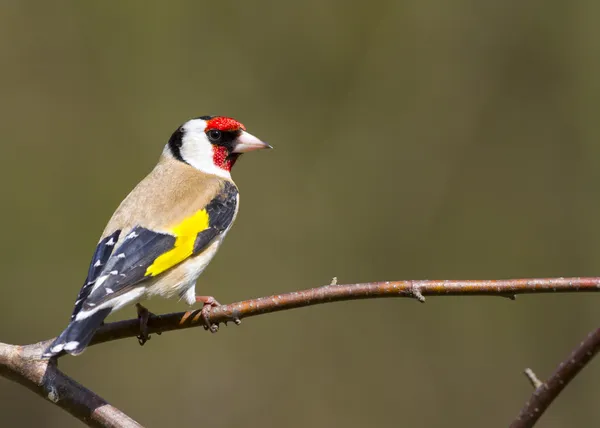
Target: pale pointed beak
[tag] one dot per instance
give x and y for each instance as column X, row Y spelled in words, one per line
column 248, row 143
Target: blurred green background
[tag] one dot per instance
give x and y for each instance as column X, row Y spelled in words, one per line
column 414, row 139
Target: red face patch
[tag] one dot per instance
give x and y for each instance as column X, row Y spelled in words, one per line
column 224, row 124
column 223, row 159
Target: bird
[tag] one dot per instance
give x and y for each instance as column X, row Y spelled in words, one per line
column 166, row 231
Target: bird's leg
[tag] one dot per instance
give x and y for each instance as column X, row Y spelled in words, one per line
column 208, row 302
column 143, row 315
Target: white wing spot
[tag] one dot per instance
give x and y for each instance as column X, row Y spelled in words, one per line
column 131, row 235
column 121, row 256
column 109, row 290
column 56, row 349
column 69, row 346
column 110, row 243
column 91, row 304
column 97, row 264
column 114, row 272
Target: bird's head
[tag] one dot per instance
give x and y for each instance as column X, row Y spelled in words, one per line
column 212, row 144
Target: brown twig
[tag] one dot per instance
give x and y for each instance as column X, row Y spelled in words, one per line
column 336, row 293
column 24, row 365
column 546, row 392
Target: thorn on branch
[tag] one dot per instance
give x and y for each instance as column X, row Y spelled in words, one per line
column 334, row 281
column 535, row 381
column 416, row 292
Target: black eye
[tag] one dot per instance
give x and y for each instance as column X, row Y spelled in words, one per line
column 214, row 135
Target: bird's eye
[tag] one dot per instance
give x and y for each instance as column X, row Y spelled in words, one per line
column 214, row 135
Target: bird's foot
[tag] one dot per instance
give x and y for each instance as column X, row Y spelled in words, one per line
column 209, row 302
column 143, row 315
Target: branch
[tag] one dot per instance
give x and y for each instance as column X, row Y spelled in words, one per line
column 336, row 293
column 545, row 393
column 23, row 364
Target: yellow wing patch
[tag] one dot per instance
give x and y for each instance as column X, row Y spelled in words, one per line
column 185, row 237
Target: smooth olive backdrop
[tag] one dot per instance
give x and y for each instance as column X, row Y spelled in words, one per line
column 413, row 139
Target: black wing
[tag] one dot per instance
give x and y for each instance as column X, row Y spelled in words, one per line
column 103, row 251
column 221, row 212
column 115, row 271
column 128, row 264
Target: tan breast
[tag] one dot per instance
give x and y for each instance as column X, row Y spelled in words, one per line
column 172, row 192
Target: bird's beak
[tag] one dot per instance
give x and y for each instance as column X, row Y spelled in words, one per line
column 247, row 143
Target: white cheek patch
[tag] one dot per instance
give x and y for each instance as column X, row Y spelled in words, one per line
column 199, row 154
column 198, row 151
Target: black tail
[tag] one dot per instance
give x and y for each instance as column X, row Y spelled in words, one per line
column 77, row 335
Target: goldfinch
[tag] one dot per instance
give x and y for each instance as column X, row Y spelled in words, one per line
column 167, row 229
